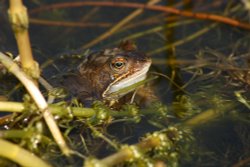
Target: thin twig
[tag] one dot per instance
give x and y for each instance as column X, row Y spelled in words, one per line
column 118, row 26
column 242, row 162
column 165, row 9
column 185, row 40
column 67, row 23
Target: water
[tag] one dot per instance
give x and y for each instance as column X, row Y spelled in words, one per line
column 206, row 65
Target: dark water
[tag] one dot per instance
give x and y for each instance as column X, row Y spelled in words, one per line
column 207, row 65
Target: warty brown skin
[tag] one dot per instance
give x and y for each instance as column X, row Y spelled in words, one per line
column 100, row 69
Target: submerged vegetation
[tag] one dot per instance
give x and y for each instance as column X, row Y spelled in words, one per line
column 193, row 109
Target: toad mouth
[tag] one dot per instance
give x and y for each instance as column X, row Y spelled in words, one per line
column 126, row 81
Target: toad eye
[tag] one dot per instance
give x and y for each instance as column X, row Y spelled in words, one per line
column 118, row 64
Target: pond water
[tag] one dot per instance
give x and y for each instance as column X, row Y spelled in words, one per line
column 202, row 65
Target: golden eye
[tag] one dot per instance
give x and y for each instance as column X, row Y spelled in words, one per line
column 118, row 64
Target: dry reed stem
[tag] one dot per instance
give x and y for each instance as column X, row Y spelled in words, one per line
column 38, row 99
column 18, row 17
column 129, row 152
column 19, row 155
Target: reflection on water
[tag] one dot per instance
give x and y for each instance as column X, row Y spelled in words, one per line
column 202, row 66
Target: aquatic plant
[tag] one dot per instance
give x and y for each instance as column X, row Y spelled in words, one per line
column 200, row 116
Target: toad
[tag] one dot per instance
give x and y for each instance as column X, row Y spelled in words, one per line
column 103, row 73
